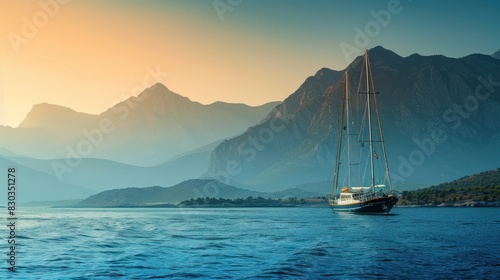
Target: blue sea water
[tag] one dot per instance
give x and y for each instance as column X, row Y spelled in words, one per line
column 255, row 243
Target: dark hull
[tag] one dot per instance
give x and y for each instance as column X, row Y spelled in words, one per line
column 378, row 205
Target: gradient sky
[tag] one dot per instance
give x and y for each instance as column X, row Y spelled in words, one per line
column 89, row 55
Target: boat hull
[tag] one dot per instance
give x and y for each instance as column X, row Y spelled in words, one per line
column 378, row 205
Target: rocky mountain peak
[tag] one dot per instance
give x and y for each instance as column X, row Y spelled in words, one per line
column 160, row 93
column 421, row 96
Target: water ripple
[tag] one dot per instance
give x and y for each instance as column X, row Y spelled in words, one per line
column 258, row 243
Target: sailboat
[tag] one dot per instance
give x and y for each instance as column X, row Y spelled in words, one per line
column 361, row 178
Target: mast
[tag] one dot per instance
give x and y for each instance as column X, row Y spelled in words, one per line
column 348, row 133
column 387, row 173
column 370, row 121
column 339, row 145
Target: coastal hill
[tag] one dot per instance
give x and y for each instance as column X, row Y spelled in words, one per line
column 160, row 138
column 156, row 138
column 482, row 187
column 187, row 190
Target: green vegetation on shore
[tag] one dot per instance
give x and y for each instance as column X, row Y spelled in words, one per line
column 211, row 202
column 475, row 190
column 254, row 202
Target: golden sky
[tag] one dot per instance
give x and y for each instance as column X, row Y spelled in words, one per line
column 89, row 55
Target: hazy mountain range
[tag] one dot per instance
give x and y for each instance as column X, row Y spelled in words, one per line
column 441, row 120
column 190, row 189
column 156, row 138
column 445, row 109
column 143, row 130
column 202, row 188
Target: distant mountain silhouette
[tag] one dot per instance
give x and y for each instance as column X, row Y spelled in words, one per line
column 56, row 119
column 440, row 118
column 147, row 129
column 96, row 175
column 161, row 195
column 159, row 124
column 190, row 189
column 35, row 185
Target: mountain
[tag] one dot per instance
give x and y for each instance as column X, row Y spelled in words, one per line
column 57, row 119
column 269, row 150
column 143, row 130
column 482, row 179
column 99, row 175
column 190, row 189
column 159, row 124
column 81, row 154
column 34, row 185
column 160, row 195
column 496, row 54
column 440, row 118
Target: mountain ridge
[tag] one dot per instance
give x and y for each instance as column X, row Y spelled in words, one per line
column 496, row 54
column 419, row 101
column 279, row 145
column 142, row 130
column 189, row 189
column 480, row 189
column 38, row 117
column 299, row 105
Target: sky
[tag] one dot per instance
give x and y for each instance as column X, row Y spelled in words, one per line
column 89, row 55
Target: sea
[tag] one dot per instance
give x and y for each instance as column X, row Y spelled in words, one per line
column 253, row 243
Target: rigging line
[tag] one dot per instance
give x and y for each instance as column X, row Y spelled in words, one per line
column 365, row 171
column 348, row 128
column 339, row 144
column 358, row 97
column 361, row 127
column 387, row 173
column 370, row 132
column 360, row 167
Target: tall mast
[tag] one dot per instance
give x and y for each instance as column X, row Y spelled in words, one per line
column 387, row 173
column 348, row 132
column 339, row 146
column 368, row 92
